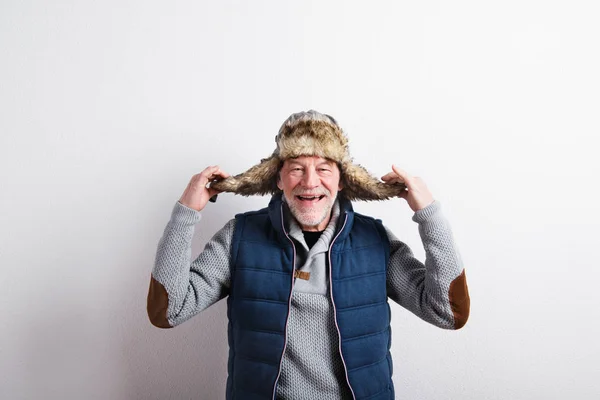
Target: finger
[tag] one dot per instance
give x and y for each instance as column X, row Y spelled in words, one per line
column 403, row 175
column 216, row 171
column 389, row 175
column 221, row 174
column 216, row 175
column 208, row 174
column 208, row 171
column 394, row 181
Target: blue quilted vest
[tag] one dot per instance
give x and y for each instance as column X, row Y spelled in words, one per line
column 262, row 277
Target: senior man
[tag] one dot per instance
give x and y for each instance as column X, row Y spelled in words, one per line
column 307, row 279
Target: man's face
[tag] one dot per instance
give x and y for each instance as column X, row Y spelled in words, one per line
column 310, row 185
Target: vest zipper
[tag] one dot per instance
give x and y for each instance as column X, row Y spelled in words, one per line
column 335, row 310
column 289, row 304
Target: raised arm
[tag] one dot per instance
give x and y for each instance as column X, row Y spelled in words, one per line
column 436, row 290
column 180, row 287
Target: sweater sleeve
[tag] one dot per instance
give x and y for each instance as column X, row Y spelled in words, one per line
column 181, row 288
column 435, row 291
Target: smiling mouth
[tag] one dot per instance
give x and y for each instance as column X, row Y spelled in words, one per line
column 310, row 199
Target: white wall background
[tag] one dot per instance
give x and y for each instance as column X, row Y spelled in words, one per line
column 108, row 108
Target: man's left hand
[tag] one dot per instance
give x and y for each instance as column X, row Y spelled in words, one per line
column 417, row 194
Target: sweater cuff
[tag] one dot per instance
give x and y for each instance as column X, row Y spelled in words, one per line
column 427, row 213
column 184, row 216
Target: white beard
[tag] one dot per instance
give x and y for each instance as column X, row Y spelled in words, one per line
column 312, row 217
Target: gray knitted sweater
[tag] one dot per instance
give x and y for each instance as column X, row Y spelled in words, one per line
column 311, row 368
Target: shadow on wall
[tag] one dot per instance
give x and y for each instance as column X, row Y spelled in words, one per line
column 188, row 361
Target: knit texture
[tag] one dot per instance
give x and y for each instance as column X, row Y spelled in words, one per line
column 192, row 287
column 312, row 366
column 407, row 277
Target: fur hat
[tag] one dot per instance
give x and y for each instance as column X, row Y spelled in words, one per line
column 310, row 133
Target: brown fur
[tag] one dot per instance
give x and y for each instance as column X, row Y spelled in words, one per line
column 310, row 138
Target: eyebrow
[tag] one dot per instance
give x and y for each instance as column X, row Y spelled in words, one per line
column 325, row 161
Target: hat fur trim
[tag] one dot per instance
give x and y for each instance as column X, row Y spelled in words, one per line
column 310, row 134
column 261, row 179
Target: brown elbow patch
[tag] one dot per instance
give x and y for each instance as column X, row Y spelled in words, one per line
column 158, row 302
column 459, row 300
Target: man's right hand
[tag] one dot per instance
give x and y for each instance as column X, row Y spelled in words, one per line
column 196, row 195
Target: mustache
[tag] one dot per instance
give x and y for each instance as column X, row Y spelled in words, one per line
column 318, row 191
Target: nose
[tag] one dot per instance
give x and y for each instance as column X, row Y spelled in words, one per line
column 311, row 178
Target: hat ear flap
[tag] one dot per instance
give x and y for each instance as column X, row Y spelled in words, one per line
column 261, row 179
column 359, row 184
column 356, row 183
